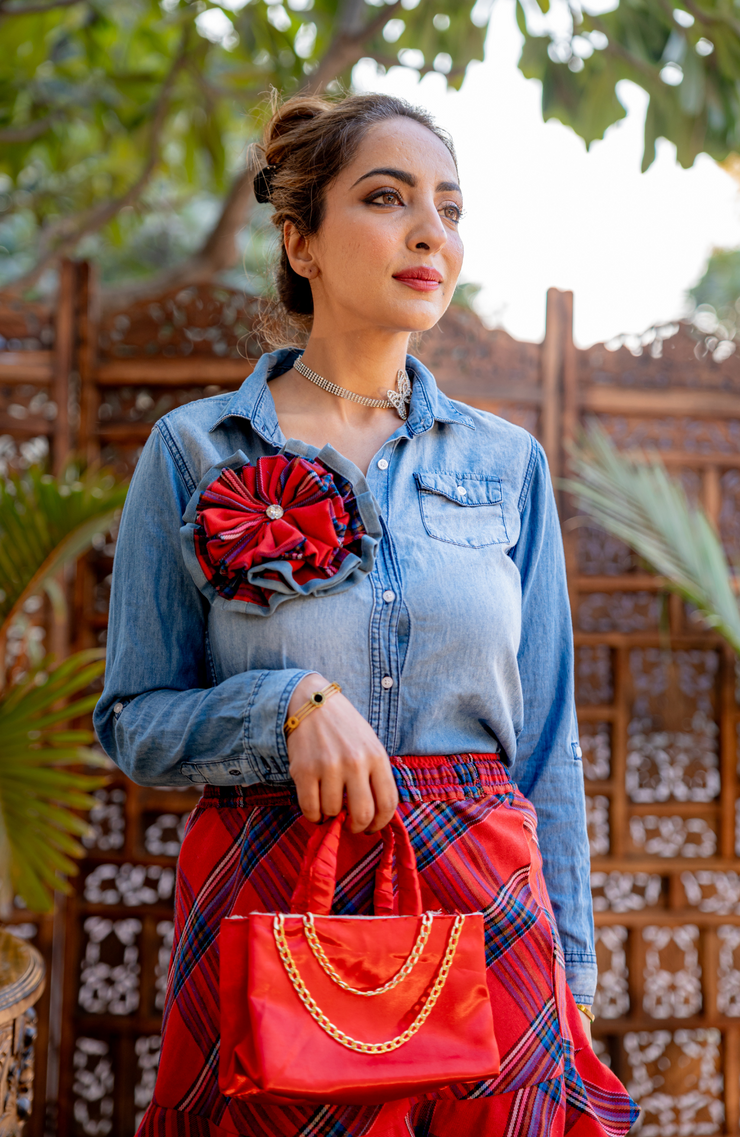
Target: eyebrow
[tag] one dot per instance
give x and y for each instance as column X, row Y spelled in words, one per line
column 406, row 178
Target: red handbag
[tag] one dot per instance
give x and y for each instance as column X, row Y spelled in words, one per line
column 353, row 1009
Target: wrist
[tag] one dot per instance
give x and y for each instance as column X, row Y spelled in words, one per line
column 304, row 690
column 313, row 703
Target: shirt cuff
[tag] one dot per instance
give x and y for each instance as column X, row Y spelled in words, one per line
column 265, row 744
column 581, row 974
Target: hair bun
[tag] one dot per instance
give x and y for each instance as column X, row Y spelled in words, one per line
column 286, row 123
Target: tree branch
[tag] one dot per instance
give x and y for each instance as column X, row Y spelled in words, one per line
column 219, row 250
column 346, row 49
column 28, row 132
column 62, row 238
column 36, row 9
column 709, row 18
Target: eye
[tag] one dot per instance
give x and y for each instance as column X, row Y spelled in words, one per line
column 385, row 197
column 452, row 211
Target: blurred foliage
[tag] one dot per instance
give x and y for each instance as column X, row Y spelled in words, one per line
column 687, row 59
column 40, row 800
column 124, row 123
column 465, row 295
column 715, row 319
column 46, row 523
column 719, row 287
column 716, row 293
column 117, row 116
column 634, row 498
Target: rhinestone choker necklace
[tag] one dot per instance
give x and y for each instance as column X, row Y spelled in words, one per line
column 397, row 399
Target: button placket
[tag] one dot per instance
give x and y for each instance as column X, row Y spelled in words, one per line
column 384, row 622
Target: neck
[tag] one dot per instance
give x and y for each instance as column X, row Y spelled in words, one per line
column 366, row 364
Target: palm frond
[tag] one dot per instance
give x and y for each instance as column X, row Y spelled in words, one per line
column 38, row 828
column 47, row 522
column 635, row 499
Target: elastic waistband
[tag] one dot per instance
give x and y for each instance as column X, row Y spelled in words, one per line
column 450, row 777
column 442, row 777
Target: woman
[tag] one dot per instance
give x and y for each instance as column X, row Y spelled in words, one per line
column 407, row 548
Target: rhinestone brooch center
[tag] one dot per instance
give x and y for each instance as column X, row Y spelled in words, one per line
column 274, row 512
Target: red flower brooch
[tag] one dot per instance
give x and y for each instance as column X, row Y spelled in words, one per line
column 283, row 526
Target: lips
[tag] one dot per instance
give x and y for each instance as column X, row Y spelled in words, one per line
column 422, row 279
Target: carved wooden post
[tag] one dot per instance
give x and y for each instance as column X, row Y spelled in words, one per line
column 64, row 350
column 557, row 359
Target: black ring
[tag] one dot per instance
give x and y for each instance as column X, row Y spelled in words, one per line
column 263, row 183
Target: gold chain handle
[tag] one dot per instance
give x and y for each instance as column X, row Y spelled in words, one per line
column 327, row 1025
column 314, row 943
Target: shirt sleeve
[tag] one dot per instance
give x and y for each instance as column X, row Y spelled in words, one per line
column 548, row 768
column 162, row 716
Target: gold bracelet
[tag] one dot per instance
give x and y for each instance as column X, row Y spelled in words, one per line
column 317, row 700
column 586, row 1010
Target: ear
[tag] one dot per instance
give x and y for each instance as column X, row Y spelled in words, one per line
column 299, row 252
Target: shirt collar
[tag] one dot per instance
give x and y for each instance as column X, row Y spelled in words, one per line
column 253, row 400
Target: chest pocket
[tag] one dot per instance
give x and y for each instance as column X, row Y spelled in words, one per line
column 462, row 509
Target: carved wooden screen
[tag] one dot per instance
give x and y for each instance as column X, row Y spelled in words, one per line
column 36, row 358
column 656, row 696
column 657, row 701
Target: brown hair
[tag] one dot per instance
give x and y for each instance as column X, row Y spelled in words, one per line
column 308, row 141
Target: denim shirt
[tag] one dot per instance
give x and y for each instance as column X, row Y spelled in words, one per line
column 458, row 641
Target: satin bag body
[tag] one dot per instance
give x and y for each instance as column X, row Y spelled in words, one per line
column 272, row 1047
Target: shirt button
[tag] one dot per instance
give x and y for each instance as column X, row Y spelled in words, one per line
column 389, row 596
column 118, row 708
column 382, row 463
column 579, row 752
column 386, row 682
column 461, row 491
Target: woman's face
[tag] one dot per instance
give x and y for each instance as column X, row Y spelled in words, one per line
column 388, row 252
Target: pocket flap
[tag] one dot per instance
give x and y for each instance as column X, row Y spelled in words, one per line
column 463, row 489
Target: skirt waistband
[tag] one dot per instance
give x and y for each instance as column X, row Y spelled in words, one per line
column 441, row 777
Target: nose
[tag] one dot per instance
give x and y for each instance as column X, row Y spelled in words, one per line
column 427, row 232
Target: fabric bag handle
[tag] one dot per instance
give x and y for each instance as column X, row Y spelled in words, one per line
column 314, row 891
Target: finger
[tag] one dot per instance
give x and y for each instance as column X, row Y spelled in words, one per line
column 385, row 793
column 331, row 791
column 360, row 802
column 309, row 800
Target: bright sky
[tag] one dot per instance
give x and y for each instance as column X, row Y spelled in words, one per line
column 541, row 212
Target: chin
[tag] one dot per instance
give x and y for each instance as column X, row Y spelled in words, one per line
column 414, row 317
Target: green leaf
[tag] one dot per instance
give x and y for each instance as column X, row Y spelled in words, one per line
column 46, row 523
column 38, row 797
column 634, row 498
column 635, row 41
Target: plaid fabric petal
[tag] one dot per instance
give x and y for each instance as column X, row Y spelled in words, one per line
column 474, row 836
column 314, row 523
column 259, row 533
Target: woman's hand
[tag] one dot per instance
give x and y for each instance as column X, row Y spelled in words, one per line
column 334, row 751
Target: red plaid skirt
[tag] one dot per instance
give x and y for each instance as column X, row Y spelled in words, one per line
column 474, row 836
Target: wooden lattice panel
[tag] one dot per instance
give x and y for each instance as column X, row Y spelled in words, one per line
column 657, row 697
column 119, row 928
